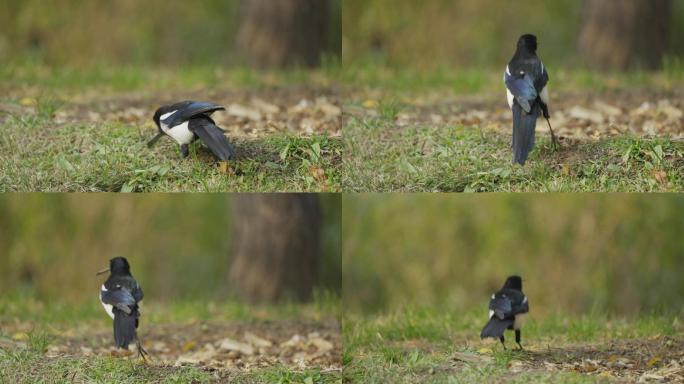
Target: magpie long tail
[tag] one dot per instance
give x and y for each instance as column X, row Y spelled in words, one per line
column 124, row 328
column 213, row 137
column 495, row 328
column 523, row 132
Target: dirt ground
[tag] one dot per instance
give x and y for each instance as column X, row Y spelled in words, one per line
column 656, row 359
column 292, row 110
column 223, row 348
column 574, row 115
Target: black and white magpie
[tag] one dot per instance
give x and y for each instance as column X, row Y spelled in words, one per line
column 525, row 78
column 120, row 295
column 187, row 121
column 507, row 310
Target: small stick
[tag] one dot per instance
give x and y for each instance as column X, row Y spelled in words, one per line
column 556, row 145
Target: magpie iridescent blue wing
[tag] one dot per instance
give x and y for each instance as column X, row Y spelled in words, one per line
column 522, row 88
column 507, row 303
column 186, row 110
column 137, row 293
column 118, row 297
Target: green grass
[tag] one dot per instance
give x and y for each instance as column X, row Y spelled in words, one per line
column 400, row 80
column 418, row 345
column 469, row 159
column 36, row 155
column 33, row 363
column 104, row 77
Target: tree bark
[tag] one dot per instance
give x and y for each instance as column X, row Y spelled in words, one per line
column 283, row 33
column 276, row 246
column 622, row 34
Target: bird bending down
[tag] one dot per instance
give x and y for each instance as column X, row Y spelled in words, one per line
column 507, row 310
column 187, row 121
column 525, row 78
column 120, row 295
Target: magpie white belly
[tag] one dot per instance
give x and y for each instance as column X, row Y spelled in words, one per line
column 519, row 320
column 181, row 133
column 509, row 97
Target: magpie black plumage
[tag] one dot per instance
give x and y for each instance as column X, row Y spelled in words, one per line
column 187, row 121
column 507, row 310
column 526, row 78
column 120, row 295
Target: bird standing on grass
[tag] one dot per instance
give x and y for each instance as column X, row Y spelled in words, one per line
column 507, row 310
column 525, row 78
column 120, row 296
column 187, row 121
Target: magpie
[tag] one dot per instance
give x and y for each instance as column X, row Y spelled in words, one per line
column 187, row 121
column 525, row 78
column 507, row 310
column 120, row 295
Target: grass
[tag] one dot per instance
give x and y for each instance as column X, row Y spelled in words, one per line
column 419, row 345
column 33, row 362
column 113, row 157
column 470, row 159
column 39, row 154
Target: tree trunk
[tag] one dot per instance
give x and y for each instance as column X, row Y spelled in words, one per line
column 276, row 246
column 280, row 33
column 622, row 34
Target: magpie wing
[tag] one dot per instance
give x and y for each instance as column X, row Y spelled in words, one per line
column 213, row 137
column 522, row 88
column 137, row 292
column 186, row 110
column 120, row 298
column 501, row 306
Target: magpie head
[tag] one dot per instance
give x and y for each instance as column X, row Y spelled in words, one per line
column 119, row 266
column 528, row 42
column 514, row 282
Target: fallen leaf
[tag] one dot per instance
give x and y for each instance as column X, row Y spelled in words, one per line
column 257, row 341
column 655, row 360
column 190, row 345
column 232, row 345
column 485, row 351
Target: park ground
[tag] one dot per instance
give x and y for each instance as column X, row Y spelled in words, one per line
column 447, row 130
column 434, row 346
column 86, row 130
column 188, row 341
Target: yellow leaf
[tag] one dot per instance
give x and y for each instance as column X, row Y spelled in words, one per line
column 654, row 361
column 27, row 101
column 225, row 168
column 485, row 351
column 370, row 104
column 190, row 345
column 20, row 336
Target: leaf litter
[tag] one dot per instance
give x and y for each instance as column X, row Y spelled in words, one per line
column 212, row 346
column 654, row 359
column 574, row 116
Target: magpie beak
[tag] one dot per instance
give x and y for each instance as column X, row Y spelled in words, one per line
column 507, row 310
column 120, row 295
column 525, row 78
column 188, row 121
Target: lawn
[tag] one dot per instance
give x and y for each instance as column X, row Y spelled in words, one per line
column 441, row 346
column 450, row 131
column 70, row 130
column 188, row 341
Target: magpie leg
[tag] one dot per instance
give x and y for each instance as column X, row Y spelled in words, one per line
column 141, row 351
column 554, row 140
column 517, row 339
column 185, row 151
column 501, row 338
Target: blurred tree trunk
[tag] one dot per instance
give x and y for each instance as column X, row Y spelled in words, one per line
column 280, row 33
column 620, row 34
column 275, row 246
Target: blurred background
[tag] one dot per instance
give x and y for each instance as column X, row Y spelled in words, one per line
column 258, row 248
column 611, row 253
column 604, row 34
column 258, row 33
